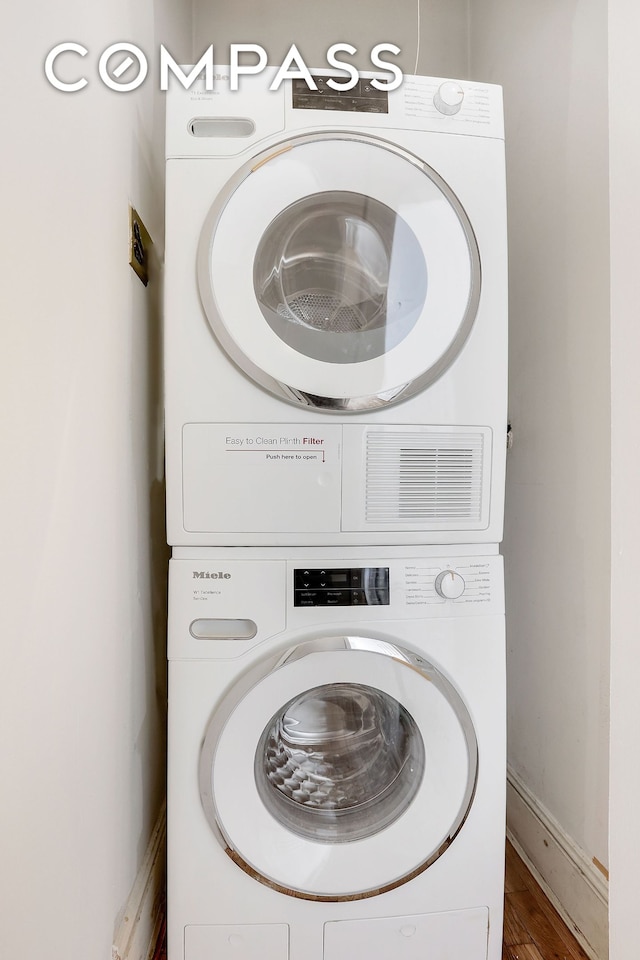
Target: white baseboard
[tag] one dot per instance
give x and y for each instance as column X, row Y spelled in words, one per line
column 576, row 887
column 140, row 927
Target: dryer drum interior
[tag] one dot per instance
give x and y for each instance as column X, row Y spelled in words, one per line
column 325, row 277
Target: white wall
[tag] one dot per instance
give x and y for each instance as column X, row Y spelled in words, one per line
column 313, row 27
column 83, row 559
column 551, row 58
column 624, row 147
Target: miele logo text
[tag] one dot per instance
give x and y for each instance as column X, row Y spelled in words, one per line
column 206, row 575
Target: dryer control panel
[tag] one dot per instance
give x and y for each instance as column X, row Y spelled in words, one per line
column 362, row 98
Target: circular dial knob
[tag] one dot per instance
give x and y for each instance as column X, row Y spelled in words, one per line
column 448, row 97
column 449, row 585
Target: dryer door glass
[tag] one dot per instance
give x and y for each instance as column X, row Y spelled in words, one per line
column 339, row 271
column 340, row 277
column 340, row 762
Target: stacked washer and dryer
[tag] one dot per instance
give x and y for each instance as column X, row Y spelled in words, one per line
column 336, row 353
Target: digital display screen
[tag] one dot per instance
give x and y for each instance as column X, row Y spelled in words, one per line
column 341, row 587
column 361, row 98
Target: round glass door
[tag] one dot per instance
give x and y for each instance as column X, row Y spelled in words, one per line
column 340, row 762
column 340, row 277
column 340, row 769
column 339, row 272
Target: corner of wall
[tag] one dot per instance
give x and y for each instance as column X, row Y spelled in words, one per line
column 576, row 885
column 141, row 924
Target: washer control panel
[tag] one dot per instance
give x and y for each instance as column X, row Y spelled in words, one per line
column 463, row 581
column 340, row 586
column 224, row 604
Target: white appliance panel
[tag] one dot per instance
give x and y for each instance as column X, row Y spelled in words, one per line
column 439, row 936
column 228, row 877
column 245, row 374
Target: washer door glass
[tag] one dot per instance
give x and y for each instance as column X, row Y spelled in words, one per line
column 340, row 762
column 338, row 769
column 339, row 271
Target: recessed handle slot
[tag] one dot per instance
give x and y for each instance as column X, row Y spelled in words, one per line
column 219, row 628
column 221, row 127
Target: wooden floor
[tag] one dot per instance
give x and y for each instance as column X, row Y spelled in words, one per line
column 533, row 930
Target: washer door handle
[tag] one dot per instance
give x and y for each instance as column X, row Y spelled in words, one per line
column 220, row 628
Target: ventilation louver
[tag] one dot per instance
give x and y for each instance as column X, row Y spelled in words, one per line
column 429, row 479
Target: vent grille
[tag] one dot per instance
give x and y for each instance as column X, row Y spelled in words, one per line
column 420, row 478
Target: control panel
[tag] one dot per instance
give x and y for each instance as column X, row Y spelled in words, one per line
column 362, row 98
column 464, row 582
column 340, row 587
column 224, row 604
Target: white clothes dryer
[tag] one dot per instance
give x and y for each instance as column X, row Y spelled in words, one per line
column 336, row 313
column 336, row 776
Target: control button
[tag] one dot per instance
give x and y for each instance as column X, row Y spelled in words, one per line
column 448, row 98
column 449, row 585
column 358, row 597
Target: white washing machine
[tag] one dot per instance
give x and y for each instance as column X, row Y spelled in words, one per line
column 336, row 313
column 336, row 754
